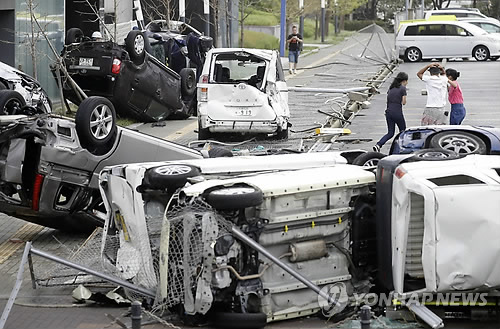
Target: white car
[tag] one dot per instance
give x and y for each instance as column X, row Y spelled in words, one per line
column 446, row 39
column 242, row 91
column 460, row 14
column 18, row 89
column 487, row 25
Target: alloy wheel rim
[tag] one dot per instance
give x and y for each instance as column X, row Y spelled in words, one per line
column 459, row 144
column 173, row 170
column 101, row 121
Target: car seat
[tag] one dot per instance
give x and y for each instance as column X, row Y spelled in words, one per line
column 226, row 74
column 218, row 73
column 261, row 70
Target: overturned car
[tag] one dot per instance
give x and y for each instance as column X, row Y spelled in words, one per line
column 234, row 240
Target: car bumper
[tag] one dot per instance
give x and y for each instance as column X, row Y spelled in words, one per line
column 242, row 126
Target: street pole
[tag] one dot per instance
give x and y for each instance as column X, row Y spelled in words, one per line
column 423, row 9
column 301, row 23
column 323, row 20
column 282, row 28
column 407, row 5
column 182, row 10
column 206, row 11
column 336, row 18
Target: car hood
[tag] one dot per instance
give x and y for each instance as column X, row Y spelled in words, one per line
column 9, row 73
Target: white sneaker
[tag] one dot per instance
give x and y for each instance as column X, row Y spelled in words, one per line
column 376, row 148
column 294, row 71
column 290, row 71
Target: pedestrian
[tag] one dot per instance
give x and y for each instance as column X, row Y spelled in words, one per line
column 294, row 42
column 455, row 97
column 436, row 84
column 396, row 98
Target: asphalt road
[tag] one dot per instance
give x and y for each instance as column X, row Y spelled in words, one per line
column 53, row 308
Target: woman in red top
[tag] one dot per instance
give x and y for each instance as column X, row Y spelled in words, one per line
column 455, row 97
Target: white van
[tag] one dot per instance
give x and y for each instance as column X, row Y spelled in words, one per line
column 242, row 91
column 460, row 14
column 446, row 39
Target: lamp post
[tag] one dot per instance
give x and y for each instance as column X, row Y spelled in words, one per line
column 206, row 11
column 323, row 20
column 282, row 28
column 301, row 23
column 182, row 10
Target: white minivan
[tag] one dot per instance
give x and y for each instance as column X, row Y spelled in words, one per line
column 446, row 39
column 242, row 91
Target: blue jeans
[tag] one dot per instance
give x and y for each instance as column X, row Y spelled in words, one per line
column 457, row 114
column 393, row 119
column 293, row 56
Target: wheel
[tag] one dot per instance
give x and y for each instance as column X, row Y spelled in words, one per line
column 434, row 155
column 219, row 152
column 459, row 142
column 96, row 123
column 368, row 159
column 234, row 197
column 282, row 134
column 169, row 176
column 73, row 35
column 11, row 102
column 239, row 320
column 413, row 54
column 493, row 58
column 188, row 82
column 481, row 53
column 135, row 45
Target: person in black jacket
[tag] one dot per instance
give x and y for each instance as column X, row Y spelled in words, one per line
column 294, row 42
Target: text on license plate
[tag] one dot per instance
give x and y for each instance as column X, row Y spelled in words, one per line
column 86, row 61
column 244, row 112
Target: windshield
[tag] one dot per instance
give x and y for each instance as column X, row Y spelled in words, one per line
column 239, row 67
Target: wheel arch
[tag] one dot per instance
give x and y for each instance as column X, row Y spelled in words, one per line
column 479, row 45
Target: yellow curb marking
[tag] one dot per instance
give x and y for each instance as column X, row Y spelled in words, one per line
column 25, row 233
column 179, row 133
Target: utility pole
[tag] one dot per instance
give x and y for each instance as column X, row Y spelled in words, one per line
column 323, row 20
column 182, row 10
column 301, row 23
column 206, row 11
column 283, row 28
column 407, row 6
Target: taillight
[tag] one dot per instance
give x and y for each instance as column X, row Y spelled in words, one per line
column 399, row 173
column 203, row 90
column 116, row 67
column 37, row 188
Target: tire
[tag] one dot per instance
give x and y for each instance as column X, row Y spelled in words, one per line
column 74, row 35
column 493, row 58
column 135, row 45
column 368, row 159
column 96, row 123
column 11, row 102
column 460, row 142
column 2, row 86
column 481, row 53
column 234, row 197
column 239, row 320
column 188, row 82
column 434, row 155
column 413, row 54
column 282, row 134
column 169, row 176
column 219, row 152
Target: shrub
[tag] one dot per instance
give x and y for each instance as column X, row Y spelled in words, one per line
column 258, row 17
column 252, row 39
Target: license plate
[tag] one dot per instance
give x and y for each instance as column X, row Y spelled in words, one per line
column 244, row 112
column 86, row 61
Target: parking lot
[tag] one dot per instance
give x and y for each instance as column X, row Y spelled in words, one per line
column 54, row 308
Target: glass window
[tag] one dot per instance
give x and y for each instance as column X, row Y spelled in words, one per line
column 411, row 30
column 50, row 16
column 490, row 28
column 454, row 30
column 431, row 29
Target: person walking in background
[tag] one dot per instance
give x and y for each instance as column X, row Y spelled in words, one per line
column 294, row 41
column 455, row 97
column 396, row 98
column 436, row 85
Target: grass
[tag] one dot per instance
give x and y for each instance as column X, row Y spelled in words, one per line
column 252, row 39
column 258, row 17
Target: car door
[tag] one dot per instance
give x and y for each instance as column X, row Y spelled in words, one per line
column 276, row 76
column 457, row 41
column 429, row 40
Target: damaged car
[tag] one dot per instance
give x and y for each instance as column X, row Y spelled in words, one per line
column 242, row 91
column 17, row 90
column 49, row 165
column 247, row 239
column 137, row 84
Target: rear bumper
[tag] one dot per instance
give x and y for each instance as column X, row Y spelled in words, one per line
column 240, row 126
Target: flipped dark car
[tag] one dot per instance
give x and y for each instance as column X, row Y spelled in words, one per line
column 446, row 141
column 137, row 84
column 49, row 165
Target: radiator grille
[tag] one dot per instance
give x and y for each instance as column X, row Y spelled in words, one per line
column 413, row 260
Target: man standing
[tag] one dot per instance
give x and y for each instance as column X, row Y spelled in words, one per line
column 294, row 41
column 436, row 86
